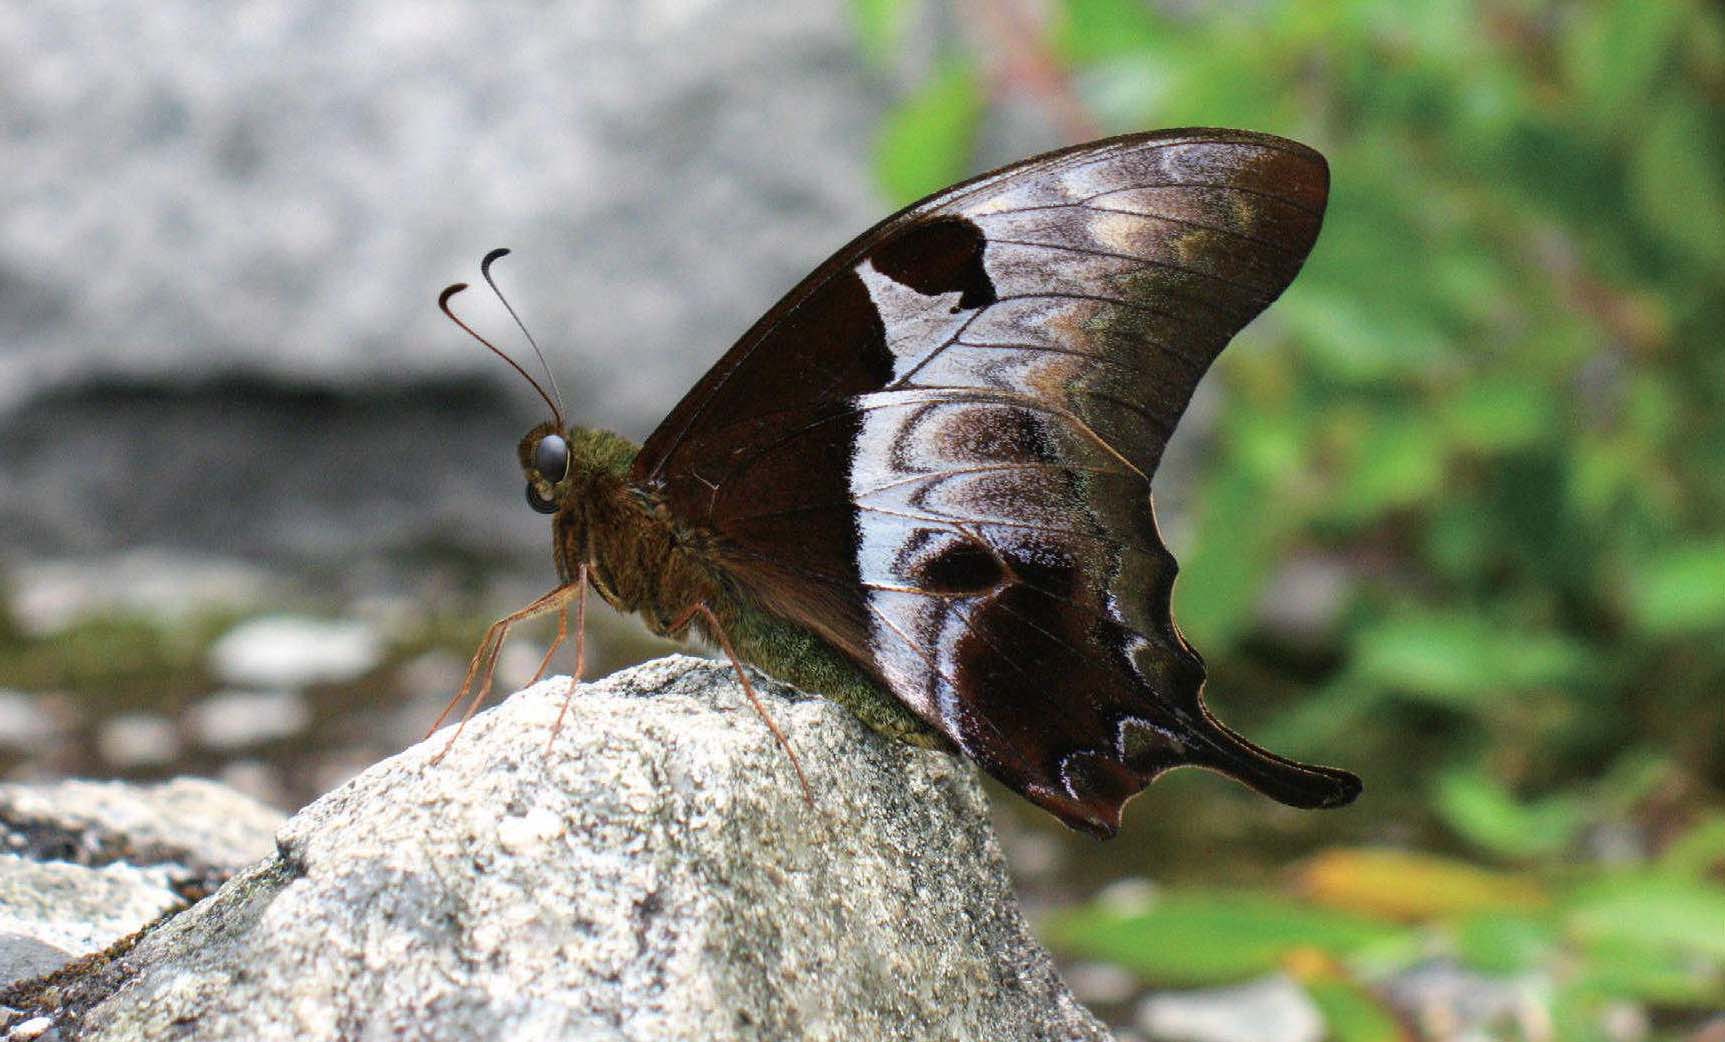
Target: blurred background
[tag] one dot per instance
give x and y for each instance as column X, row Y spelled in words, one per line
column 1450, row 513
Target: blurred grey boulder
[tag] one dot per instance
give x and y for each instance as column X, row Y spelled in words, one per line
column 223, row 227
column 85, row 864
column 657, row 875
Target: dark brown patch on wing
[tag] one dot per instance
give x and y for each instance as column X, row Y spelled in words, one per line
column 938, row 257
column 936, row 452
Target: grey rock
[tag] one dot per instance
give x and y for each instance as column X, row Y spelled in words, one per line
column 23, row 957
column 25, row 723
column 1448, row 1000
column 290, row 651
column 1272, row 1009
column 195, row 828
column 54, row 912
column 236, row 719
column 46, row 597
column 655, row 874
column 86, row 864
column 225, row 225
column 137, row 740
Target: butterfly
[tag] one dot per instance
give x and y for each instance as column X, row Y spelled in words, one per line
column 920, row 484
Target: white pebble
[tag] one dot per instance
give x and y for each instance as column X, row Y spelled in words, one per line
column 25, row 722
column 1102, row 982
column 33, row 1028
column 137, row 740
column 236, row 719
column 287, row 651
column 1272, row 1009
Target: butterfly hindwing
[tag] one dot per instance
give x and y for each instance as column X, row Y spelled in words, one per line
column 936, row 453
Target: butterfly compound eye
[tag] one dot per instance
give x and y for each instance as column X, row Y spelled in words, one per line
column 551, row 458
column 538, row 502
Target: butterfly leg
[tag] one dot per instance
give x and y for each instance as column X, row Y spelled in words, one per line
column 556, row 642
column 580, row 648
column 718, row 632
column 489, row 650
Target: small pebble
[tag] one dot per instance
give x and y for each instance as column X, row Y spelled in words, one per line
column 1446, row 999
column 31, row 1029
column 1102, row 982
column 288, row 651
column 256, row 779
column 236, row 719
column 50, row 596
column 25, row 723
column 137, row 740
column 1273, row 1009
column 1133, row 895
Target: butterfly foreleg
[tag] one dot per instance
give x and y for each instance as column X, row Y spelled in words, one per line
column 580, row 648
column 490, row 647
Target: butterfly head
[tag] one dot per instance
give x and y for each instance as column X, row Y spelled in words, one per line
column 547, row 449
column 546, row 459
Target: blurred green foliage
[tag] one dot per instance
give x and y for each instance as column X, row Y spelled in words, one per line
column 1490, row 414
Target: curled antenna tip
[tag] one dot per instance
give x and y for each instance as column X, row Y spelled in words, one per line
column 497, row 254
column 449, row 291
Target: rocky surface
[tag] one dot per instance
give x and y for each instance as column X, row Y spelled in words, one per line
column 85, row 864
column 655, row 875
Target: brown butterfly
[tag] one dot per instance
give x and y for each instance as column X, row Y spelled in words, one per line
column 920, row 485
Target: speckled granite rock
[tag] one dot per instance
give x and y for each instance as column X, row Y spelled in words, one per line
column 192, row 826
column 85, row 864
column 53, row 912
column 656, row 876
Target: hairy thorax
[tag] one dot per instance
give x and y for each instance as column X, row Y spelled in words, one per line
column 642, row 563
column 636, row 559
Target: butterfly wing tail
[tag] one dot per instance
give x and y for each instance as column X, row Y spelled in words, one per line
column 1302, row 785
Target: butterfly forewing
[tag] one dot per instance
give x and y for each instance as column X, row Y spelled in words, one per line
column 936, row 453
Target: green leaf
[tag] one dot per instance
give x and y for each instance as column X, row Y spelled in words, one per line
column 1485, row 813
column 1620, row 969
column 1397, row 462
column 1216, row 596
column 1352, row 1013
column 1612, row 53
column 1090, row 30
column 1678, row 173
column 1500, row 414
column 1457, row 659
column 880, row 25
column 1652, row 911
column 925, row 143
column 1506, row 945
column 1210, row 937
column 1698, row 851
column 1681, row 590
column 1355, row 340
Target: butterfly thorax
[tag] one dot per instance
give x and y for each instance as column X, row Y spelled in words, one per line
column 636, row 558
column 641, row 561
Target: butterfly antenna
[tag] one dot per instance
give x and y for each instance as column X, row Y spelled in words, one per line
column 443, row 306
column 485, row 270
